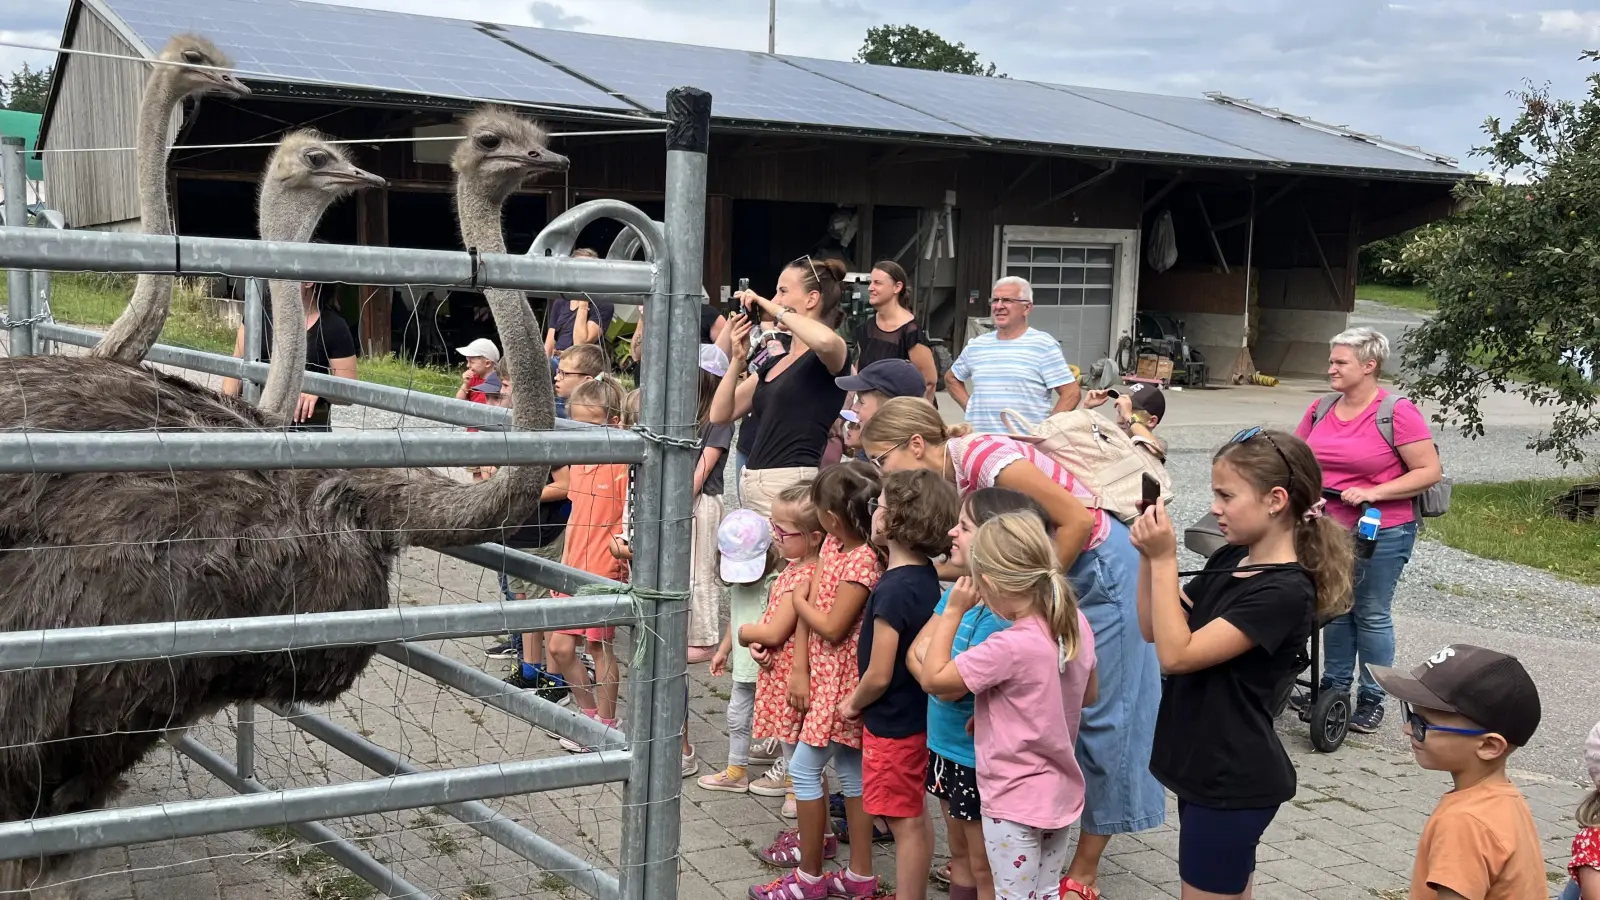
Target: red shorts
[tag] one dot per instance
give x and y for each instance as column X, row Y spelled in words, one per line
column 892, row 771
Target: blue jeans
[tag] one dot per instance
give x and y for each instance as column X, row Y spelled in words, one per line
column 1117, row 732
column 1367, row 629
column 805, row 769
column 1571, row 893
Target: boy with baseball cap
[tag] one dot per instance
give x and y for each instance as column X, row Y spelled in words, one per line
column 1466, row 710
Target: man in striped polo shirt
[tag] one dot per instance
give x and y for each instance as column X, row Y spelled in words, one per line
column 1012, row 367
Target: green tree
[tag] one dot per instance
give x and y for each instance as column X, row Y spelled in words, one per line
column 1375, row 265
column 1515, row 276
column 910, row 47
column 27, row 89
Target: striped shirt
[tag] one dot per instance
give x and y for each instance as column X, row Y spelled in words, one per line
column 979, row 458
column 1022, row 373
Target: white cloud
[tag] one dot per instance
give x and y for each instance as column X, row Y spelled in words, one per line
column 12, row 58
column 1571, row 23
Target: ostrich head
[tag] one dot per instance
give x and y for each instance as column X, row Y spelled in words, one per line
column 500, row 150
column 305, row 175
column 200, row 69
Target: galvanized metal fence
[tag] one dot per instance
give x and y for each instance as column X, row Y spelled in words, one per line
column 644, row 755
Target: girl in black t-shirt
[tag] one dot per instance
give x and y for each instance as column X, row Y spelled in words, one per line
column 1231, row 642
column 893, row 332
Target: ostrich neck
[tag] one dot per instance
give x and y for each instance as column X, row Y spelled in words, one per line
column 288, row 216
column 135, row 331
column 433, row 512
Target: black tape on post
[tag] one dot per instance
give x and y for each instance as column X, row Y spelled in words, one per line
column 689, row 110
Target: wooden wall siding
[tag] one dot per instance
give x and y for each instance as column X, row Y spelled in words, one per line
column 98, row 106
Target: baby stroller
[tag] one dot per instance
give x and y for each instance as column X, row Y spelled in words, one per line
column 1326, row 712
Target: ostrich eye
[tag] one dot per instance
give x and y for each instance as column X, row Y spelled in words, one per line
column 316, row 158
column 193, row 57
column 487, row 141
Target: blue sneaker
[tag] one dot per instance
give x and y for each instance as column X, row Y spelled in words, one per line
column 1368, row 717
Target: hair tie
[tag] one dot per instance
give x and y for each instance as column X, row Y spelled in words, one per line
column 1315, row 512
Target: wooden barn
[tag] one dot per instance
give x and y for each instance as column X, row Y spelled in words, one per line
column 1110, row 202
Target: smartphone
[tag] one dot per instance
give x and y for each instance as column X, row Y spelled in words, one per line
column 747, row 308
column 1152, row 492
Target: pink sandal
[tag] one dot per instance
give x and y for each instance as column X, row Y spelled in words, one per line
column 1070, row 885
column 784, row 852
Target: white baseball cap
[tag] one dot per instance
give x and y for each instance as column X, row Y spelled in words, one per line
column 742, row 540
column 481, row 347
column 713, row 360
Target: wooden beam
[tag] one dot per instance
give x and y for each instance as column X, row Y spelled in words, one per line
column 1017, row 181
column 372, row 230
column 886, row 157
column 1316, row 244
column 1216, row 246
column 1276, row 196
column 1166, row 189
column 1085, row 184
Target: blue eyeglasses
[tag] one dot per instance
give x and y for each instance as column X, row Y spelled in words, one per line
column 1420, row 726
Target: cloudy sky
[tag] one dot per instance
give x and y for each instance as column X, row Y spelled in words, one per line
column 1423, row 72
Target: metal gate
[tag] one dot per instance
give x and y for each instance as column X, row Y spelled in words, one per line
column 653, row 605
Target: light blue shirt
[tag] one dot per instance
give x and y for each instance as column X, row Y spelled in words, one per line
column 1021, row 374
column 947, row 722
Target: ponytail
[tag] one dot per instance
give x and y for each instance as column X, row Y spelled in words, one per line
column 1012, row 554
column 1325, row 549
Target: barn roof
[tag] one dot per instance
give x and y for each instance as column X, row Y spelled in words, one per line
column 306, row 49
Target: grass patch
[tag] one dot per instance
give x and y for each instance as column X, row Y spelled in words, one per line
column 1516, row 522
column 94, row 300
column 478, row 890
column 1412, row 298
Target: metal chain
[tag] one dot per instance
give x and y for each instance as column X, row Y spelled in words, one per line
column 654, row 438
column 6, row 322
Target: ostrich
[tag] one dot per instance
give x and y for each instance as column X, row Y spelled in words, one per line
column 135, row 331
column 295, row 191
column 104, row 549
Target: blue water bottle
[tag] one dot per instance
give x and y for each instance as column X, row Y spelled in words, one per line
column 1367, row 532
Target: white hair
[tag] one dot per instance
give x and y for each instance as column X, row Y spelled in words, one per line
column 1368, row 343
column 1021, row 284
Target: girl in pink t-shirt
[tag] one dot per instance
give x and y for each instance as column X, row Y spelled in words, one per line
column 1030, row 684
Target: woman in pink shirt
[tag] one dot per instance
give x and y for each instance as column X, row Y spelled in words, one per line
column 1359, row 465
column 1030, row 684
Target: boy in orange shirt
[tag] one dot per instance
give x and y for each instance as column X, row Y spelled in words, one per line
column 597, row 493
column 1466, row 709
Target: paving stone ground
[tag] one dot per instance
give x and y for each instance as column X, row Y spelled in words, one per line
column 1349, row 834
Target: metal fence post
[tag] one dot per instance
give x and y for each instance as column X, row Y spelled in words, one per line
column 687, row 139
column 254, row 316
column 19, row 282
column 41, row 308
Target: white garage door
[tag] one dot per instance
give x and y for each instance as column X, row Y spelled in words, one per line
column 1073, row 292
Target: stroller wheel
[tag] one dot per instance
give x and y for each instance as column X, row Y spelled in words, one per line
column 1330, row 720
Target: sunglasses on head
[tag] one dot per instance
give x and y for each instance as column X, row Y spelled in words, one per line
column 1249, row 434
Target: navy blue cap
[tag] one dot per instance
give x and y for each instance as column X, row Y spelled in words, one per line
column 894, row 377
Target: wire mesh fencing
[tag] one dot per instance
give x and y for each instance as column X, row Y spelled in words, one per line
column 360, row 742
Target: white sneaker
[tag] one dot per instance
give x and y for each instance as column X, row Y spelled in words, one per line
column 691, row 763
column 773, row 784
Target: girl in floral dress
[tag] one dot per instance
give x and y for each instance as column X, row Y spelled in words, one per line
column 825, row 673
column 797, row 535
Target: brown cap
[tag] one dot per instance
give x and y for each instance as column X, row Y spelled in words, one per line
column 1490, row 688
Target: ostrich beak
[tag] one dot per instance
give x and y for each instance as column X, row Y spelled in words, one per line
column 540, row 160
column 355, row 177
column 229, row 86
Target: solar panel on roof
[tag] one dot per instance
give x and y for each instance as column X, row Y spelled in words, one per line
column 361, row 47
column 743, row 85
column 1008, row 109
column 1270, row 136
